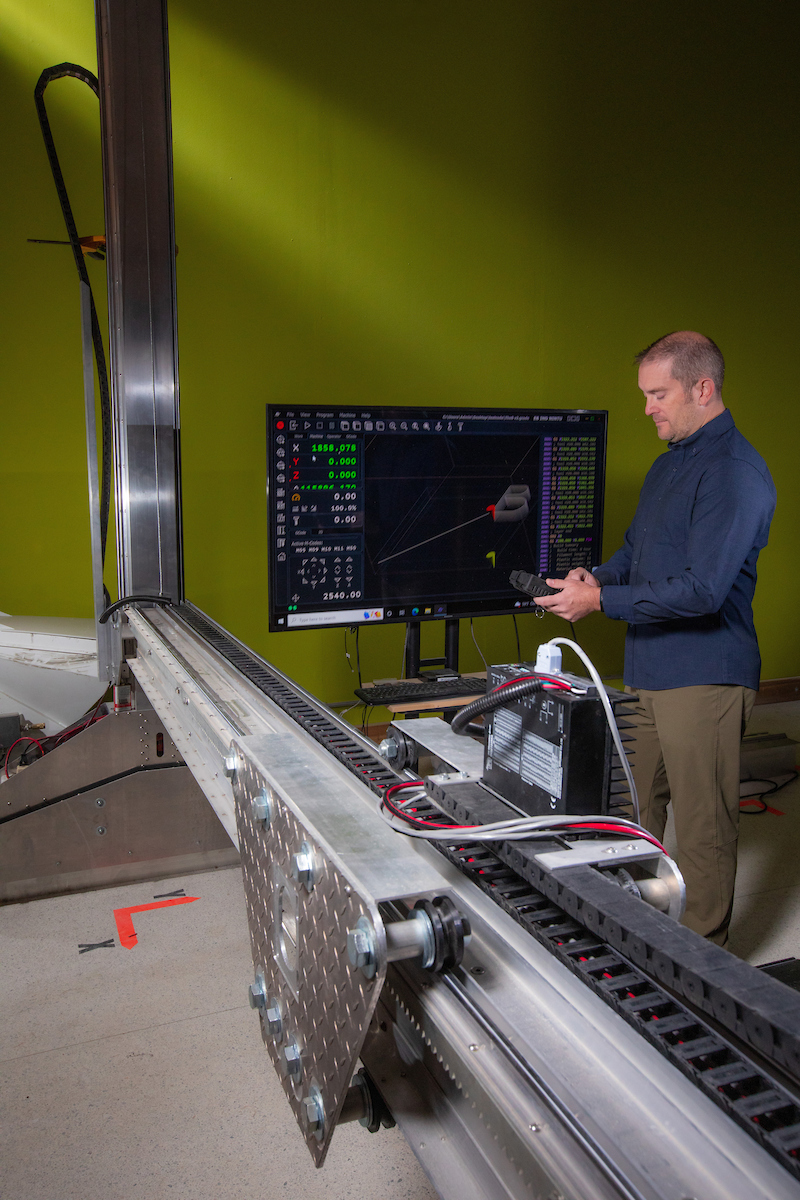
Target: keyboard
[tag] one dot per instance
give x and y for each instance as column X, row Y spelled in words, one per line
column 430, row 689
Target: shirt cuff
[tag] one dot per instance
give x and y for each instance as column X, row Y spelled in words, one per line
column 617, row 601
column 603, row 576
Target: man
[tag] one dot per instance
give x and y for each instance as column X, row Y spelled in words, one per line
column 684, row 582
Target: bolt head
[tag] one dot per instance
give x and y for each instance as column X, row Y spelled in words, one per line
column 273, row 1018
column 292, row 1059
column 230, row 764
column 303, row 866
column 261, row 809
column 257, row 992
column 388, row 749
column 313, row 1114
column 361, row 948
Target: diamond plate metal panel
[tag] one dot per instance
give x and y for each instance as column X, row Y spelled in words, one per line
column 299, row 942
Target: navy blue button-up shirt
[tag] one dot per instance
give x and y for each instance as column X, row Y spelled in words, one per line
column 685, row 577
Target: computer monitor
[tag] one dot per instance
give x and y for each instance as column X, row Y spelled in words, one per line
column 388, row 514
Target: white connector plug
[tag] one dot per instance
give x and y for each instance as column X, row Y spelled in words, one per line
column 548, row 659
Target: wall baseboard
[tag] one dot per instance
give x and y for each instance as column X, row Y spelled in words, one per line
column 779, row 691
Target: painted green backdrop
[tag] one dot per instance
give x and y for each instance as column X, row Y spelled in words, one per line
column 412, row 201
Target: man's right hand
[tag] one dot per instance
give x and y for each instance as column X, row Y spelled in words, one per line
column 583, row 576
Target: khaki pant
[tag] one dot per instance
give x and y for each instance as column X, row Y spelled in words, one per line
column 687, row 754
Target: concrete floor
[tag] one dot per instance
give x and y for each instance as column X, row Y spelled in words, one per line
column 766, row 911
column 140, row 1074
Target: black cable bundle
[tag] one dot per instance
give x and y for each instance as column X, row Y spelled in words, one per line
column 62, row 71
column 491, row 701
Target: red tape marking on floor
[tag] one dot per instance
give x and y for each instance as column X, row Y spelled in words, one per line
column 124, row 918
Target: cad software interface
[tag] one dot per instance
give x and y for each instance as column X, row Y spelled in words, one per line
column 393, row 514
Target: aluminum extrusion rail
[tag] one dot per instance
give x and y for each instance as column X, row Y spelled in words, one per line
column 746, row 1092
column 590, row 924
column 760, row 1011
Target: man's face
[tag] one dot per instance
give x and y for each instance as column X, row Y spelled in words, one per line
column 675, row 413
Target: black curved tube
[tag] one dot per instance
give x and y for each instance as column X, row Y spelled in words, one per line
column 164, row 601
column 73, row 71
column 491, row 701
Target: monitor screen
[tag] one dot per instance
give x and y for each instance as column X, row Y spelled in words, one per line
column 412, row 514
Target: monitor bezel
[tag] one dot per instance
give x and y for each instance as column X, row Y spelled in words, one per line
column 511, row 606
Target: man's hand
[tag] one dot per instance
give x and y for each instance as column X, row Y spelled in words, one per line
column 581, row 574
column 578, row 595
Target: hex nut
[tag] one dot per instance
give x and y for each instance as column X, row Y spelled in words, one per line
column 314, row 1112
column 257, row 992
column 388, row 749
column 230, row 764
column 303, row 867
column 261, row 808
column 292, row 1060
column 361, row 948
column 273, row 1018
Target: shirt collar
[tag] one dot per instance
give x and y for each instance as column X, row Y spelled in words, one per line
column 706, row 433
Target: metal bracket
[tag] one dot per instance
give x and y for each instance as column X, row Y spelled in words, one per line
column 636, row 865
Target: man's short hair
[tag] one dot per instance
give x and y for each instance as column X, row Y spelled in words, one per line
column 692, row 355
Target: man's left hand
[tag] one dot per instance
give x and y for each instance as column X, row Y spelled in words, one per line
column 575, row 599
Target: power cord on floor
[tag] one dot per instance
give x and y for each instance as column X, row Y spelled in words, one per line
column 759, row 797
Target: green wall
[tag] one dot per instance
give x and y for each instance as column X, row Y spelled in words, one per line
column 412, row 201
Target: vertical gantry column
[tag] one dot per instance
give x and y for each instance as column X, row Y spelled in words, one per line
column 133, row 61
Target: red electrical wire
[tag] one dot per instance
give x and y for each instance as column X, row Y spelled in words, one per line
column 558, row 683
column 68, row 733
column 599, row 826
column 629, row 833
column 16, row 743
column 417, row 822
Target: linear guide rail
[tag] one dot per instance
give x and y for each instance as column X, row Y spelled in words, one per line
column 516, row 1073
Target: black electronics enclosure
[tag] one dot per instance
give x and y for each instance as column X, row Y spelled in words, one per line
column 396, row 514
column 552, row 752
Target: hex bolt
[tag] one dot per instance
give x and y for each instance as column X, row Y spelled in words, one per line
column 257, row 991
column 273, row 1018
column 314, row 1112
column 362, row 948
column 303, row 867
column 230, row 764
column 388, row 749
column 292, row 1060
column 261, row 808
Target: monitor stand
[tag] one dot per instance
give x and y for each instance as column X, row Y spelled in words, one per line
column 414, row 663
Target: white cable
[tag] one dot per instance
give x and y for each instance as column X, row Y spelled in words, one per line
column 519, row 829
column 515, row 830
column 477, row 647
column 612, row 724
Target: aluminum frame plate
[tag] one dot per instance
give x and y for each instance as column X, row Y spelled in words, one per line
column 299, row 942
